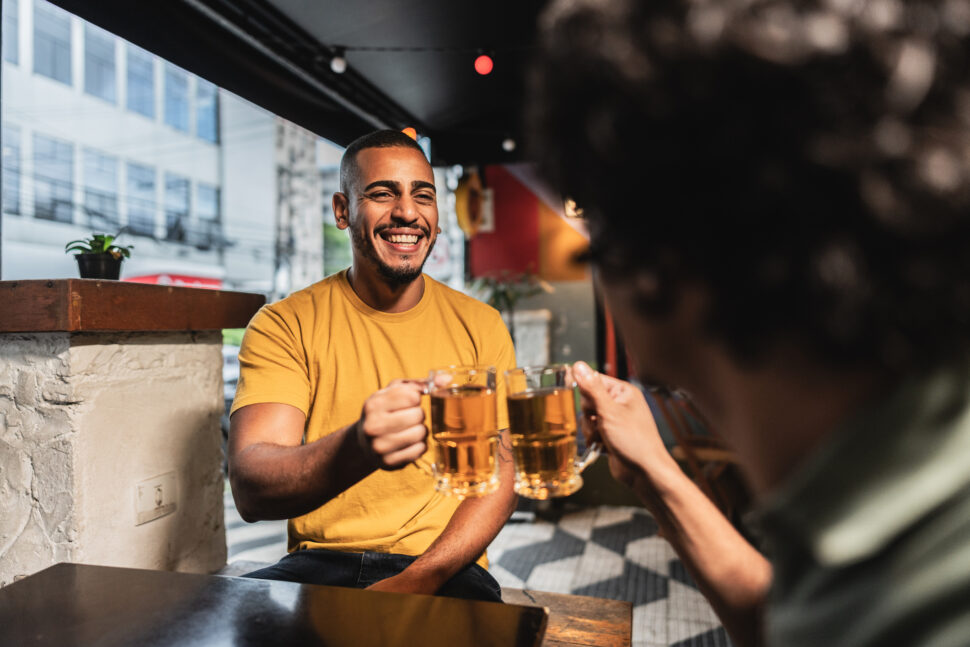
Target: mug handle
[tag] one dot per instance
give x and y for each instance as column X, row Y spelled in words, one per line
column 588, row 458
column 594, row 449
column 420, row 462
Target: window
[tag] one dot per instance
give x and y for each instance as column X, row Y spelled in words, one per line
column 99, row 63
column 176, row 207
column 52, row 42
column 207, row 208
column 141, row 82
column 141, row 200
column 207, row 202
column 100, row 190
column 53, row 179
column 206, row 111
column 10, row 37
column 11, row 168
column 176, row 98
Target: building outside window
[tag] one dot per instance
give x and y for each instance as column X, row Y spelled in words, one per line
column 52, row 42
column 141, row 82
column 176, row 98
column 11, row 168
column 207, row 209
column 176, row 207
column 99, row 63
column 10, row 36
column 141, row 199
column 100, row 190
column 53, row 179
column 206, row 111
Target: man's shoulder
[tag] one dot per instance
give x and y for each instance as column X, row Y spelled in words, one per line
column 462, row 302
column 302, row 301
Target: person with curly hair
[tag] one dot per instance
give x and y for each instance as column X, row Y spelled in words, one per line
column 778, row 199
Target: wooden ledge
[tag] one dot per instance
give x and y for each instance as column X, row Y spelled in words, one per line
column 578, row 620
column 79, row 305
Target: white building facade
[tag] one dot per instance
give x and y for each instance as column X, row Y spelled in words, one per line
column 99, row 135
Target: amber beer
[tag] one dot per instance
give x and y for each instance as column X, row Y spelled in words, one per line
column 543, row 428
column 542, row 424
column 464, row 431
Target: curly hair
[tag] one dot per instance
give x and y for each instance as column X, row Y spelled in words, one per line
column 807, row 161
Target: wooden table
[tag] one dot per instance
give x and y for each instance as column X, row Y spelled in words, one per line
column 576, row 620
column 73, row 604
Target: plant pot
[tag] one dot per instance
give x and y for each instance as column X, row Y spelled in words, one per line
column 98, row 266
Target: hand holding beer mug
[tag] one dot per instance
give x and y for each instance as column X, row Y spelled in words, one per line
column 464, row 430
column 542, row 422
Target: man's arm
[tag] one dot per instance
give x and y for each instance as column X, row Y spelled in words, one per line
column 731, row 574
column 274, row 476
column 471, row 529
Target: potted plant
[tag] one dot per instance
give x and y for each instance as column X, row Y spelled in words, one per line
column 502, row 292
column 98, row 257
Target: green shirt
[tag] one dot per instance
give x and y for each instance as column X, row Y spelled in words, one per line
column 870, row 540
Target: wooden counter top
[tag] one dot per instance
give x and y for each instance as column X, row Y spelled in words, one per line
column 79, row 305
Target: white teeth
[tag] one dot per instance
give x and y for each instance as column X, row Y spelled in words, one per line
column 406, row 239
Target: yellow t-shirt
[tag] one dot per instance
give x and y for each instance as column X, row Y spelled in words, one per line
column 324, row 351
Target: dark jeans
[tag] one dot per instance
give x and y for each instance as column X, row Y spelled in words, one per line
column 360, row 570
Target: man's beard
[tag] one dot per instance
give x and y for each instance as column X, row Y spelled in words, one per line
column 395, row 277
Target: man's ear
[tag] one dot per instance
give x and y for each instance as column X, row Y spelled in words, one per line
column 341, row 210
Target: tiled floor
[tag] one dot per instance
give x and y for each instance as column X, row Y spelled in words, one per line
column 610, row 552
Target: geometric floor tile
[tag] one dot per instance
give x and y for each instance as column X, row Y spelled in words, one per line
column 609, row 515
column 554, row 577
column 505, row 579
column 636, row 584
column 616, row 536
column 522, row 560
column 713, row 638
column 597, row 564
column 653, row 553
column 578, row 523
column 679, row 573
column 688, row 613
column 650, row 624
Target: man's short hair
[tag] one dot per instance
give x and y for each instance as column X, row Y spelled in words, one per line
column 807, row 161
column 377, row 139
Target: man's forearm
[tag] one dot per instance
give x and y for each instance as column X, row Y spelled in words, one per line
column 472, row 528
column 731, row 574
column 281, row 482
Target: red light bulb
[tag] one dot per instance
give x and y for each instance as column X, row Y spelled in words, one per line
column 484, row 64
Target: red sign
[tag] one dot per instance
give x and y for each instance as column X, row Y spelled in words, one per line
column 177, row 279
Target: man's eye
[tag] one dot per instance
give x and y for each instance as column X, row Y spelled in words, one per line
column 424, row 197
column 381, row 195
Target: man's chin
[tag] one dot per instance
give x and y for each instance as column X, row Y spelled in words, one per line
column 399, row 276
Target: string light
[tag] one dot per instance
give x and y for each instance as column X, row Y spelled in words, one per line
column 508, row 144
column 339, row 62
column 484, row 64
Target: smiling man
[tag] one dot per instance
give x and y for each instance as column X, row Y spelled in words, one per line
column 328, row 427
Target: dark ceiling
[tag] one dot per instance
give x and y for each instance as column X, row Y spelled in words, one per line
column 410, row 63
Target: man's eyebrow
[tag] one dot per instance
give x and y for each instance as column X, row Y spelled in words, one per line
column 421, row 184
column 387, row 184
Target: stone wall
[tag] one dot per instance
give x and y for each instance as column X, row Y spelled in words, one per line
column 85, row 418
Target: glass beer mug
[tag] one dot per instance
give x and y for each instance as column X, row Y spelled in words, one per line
column 542, row 423
column 464, row 430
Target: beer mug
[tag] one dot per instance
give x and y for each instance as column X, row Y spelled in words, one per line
column 464, row 430
column 542, row 422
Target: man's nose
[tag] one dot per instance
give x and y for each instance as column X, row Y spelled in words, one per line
column 405, row 209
